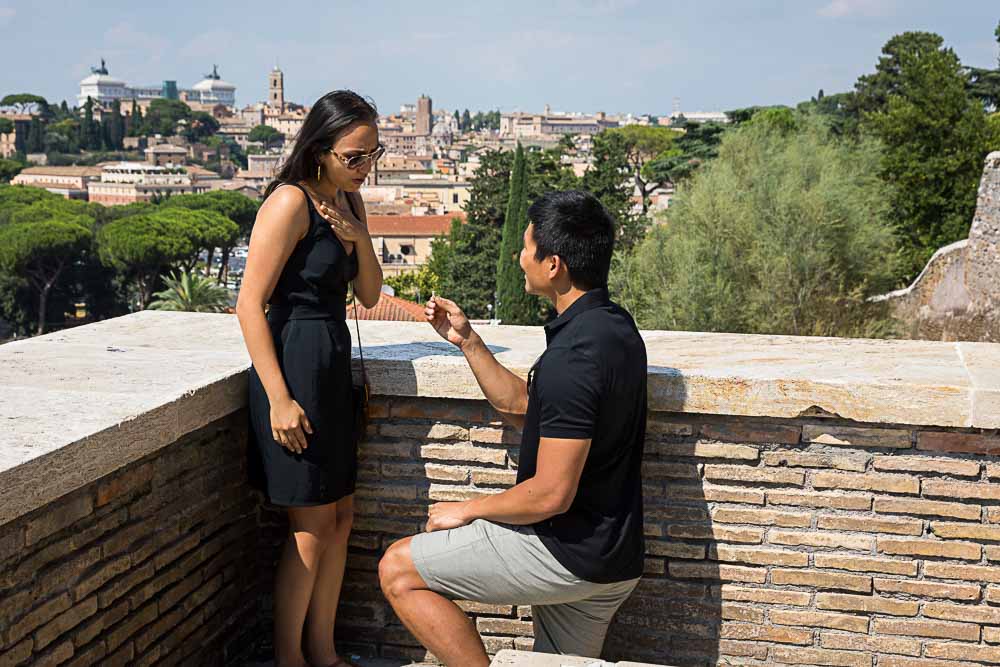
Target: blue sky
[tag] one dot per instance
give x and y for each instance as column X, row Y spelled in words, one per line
column 584, row 55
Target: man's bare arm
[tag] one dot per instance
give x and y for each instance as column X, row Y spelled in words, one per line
column 505, row 391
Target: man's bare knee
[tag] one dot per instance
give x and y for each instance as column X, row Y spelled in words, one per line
column 396, row 572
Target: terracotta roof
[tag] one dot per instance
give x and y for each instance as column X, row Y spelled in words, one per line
column 390, row 308
column 411, row 225
column 62, row 171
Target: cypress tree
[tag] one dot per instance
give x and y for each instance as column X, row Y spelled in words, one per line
column 116, row 127
column 36, row 136
column 88, row 137
column 514, row 305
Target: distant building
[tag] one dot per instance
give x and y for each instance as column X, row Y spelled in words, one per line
column 701, row 116
column 70, row 182
column 425, row 116
column 403, row 242
column 520, row 125
column 276, row 90
column 164, row 155
column 130, row 182
column 104, row 89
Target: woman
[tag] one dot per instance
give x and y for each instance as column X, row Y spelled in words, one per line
column 309, row 241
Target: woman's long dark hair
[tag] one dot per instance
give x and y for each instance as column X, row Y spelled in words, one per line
column 324, row 123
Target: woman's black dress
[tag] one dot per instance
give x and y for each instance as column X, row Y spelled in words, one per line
column 307, row 318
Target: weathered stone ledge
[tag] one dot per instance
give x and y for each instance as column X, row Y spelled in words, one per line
column 81, row 403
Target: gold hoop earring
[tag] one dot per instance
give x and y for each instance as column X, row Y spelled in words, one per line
column 319, row 172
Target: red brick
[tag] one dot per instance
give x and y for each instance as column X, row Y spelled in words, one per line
column 810, row 460
column 962, row 612
column 757, row 556
column 868, row 524
column 927, row 508
column 893, row 661
column 651, row 470
column 817, row 619
column 827, row 580
column 748, row 432
column 123, row 483
column 928, row 589
column 919, row 628
column 64, row 622
column 717, row 532
column 675, row 550
column 738, row 473
column 436, row 408
column 58, row 515
column 38, row 616
column 968, row 531
column 741, row 612
column 765, row 595
column 859, row 564
column 760, row 517
column 821, row 539
column 765, row 633
column 853, row 642
column 867, row 482
column 867, row 603
column 703, row 449
column 465, row 453
column 852, row 436
column 717, row 572
column 504, row 626
column 972, row 490
column 927, row 464
column 425, row 431
column 963, row 572
column 933, row 548
column 818, row 656
column 841, row 501
column 972, row 443
column 954, row 651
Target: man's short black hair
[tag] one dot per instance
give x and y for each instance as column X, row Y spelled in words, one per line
column 575, row 226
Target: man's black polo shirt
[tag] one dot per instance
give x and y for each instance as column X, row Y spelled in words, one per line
column 591, row 383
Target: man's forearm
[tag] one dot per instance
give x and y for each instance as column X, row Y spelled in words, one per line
column 522, row 505
column 505, row 391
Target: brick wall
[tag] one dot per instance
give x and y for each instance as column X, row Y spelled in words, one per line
column 769, row 541
column 151, row 564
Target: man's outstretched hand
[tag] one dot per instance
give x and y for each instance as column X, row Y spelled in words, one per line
column 449, row 321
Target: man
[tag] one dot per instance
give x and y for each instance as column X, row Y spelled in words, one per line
column 567, row 538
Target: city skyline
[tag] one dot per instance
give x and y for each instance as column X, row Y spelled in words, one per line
column 575, row 55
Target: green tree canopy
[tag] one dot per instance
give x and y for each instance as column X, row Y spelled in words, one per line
column 235, row 206
column 265, row 134
column 935, row 139
column 200, row 126
column 39, row 250
column 9, row 169
column 785, row 232
column 144, row 246
column 6, row 126
column 163, row 116
column 646, row 148
column 24, row 98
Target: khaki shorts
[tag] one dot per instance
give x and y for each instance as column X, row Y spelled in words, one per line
column 502, row 564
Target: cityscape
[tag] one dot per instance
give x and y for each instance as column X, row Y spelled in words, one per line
column 770, row 403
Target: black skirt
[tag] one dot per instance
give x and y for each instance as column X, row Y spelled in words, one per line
column 315, row 360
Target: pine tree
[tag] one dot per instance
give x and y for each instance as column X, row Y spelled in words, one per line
column 466, row 120
column 514, row 305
